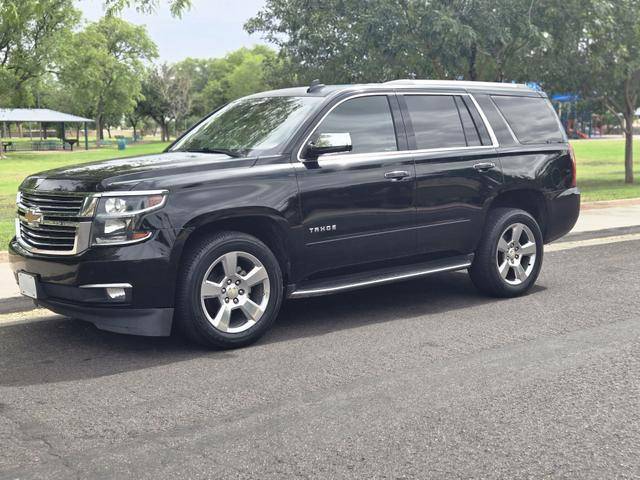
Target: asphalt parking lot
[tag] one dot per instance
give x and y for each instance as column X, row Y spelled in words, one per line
column 425, row 379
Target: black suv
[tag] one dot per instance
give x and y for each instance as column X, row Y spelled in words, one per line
column 301, row 192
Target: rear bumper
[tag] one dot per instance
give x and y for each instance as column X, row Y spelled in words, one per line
column 563, row 210
column 76, row 286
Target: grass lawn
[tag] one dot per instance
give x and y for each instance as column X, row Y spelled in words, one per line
column 601, row 169
column 600, row 172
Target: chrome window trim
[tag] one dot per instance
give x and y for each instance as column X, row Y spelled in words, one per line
column 485, row 120
column 401, row 153
column 336, row 105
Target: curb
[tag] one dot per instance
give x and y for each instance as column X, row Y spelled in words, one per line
column 627, row 202
column 16, row 305
column 607, row 232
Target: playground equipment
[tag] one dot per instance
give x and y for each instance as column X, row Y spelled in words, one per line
column 578, row 122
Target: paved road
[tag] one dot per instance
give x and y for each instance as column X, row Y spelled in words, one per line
column 425, row 379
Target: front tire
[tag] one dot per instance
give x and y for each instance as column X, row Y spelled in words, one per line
column 509, row 257
column 229, row 292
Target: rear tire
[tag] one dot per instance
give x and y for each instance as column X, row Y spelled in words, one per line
column 230, row 289
column 509, row 257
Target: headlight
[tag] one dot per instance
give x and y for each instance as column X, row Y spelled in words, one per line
column 118, row 216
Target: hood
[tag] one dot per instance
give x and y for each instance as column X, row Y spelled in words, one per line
column 126, row 173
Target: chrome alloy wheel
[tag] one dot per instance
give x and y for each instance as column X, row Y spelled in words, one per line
column 516, row 254
column 235, row 292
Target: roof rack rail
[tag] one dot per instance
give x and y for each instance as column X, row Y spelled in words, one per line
column 458, row 83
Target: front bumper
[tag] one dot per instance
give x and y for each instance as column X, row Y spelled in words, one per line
column 71, row 286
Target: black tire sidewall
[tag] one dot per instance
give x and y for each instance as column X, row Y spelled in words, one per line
column 485, row 264
column 194, row 276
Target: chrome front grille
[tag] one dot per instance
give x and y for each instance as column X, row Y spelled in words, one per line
column 53, row 204
column 48, row 237
column 53, row 223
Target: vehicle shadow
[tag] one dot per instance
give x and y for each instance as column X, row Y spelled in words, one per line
column 421, row 297
column 60, row 349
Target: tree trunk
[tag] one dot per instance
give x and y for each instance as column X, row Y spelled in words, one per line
column 473, row 63
column 166, row 132
column 99, row 128
column 628, row 148
column 109, row 130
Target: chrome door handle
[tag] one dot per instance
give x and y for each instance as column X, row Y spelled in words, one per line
column 484, row 166
column 396, row 175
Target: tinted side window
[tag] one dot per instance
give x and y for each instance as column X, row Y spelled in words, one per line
column 436, row 121
column 531, row 118
column 368, row 120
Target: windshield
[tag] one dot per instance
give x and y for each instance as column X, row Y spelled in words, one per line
column 249, row 126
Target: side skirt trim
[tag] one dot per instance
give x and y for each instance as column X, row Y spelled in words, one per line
column 346, row 284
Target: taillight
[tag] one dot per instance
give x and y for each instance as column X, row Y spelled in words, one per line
column 574, row 169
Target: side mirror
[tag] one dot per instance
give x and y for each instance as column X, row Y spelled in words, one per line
column 328, row 143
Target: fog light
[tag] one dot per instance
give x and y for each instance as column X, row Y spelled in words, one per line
column 116, row 293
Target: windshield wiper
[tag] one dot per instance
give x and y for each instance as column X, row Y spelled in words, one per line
column 225, row 151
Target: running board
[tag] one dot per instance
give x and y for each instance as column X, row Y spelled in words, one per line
column 378, row 277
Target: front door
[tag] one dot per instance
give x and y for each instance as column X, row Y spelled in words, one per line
column 457, row 170
column 358, row 207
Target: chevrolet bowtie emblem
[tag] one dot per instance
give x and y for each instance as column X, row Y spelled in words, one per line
column 33, row 216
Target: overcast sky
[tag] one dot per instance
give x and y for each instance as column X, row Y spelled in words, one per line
column 211, row 28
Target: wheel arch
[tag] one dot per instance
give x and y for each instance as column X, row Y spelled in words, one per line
column 265, row 224
column 530, row 200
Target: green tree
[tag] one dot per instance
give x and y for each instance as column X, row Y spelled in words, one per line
column 214, row 82
column 378, row 40
column 31, row 35
column 177, row 7
column 166, row 97
column 103, row 65
column 597, row 57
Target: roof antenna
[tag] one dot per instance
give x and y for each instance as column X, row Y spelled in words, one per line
column 315, row 85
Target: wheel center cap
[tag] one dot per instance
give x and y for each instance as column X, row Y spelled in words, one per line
column 232, row 292
column 511, row 253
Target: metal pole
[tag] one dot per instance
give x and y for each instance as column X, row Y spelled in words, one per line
column 86, row 137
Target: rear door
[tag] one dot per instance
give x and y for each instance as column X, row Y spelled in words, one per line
column 457, row 169
column 358, row 207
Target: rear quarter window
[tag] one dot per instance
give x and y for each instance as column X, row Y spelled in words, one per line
column 532, row 119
